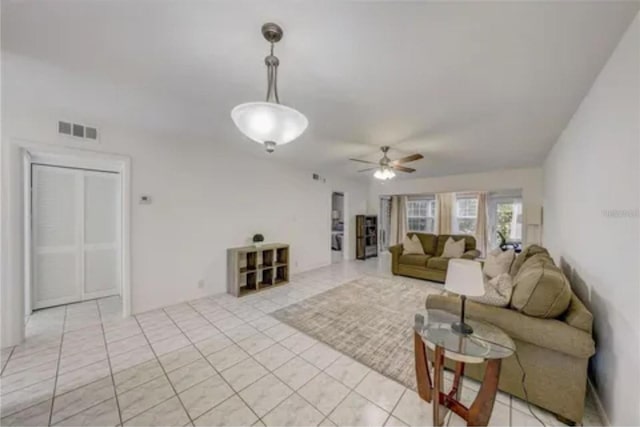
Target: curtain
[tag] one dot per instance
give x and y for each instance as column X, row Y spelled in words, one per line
column 398, row 219
column 445, row 202
column 482, row 224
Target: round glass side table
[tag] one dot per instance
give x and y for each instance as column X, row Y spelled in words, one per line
column 487, row 343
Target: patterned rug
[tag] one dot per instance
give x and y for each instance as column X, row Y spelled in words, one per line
column 369, row 319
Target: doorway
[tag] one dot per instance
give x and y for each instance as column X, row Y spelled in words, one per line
column 385, row 222
column 337, row 227
column 76, row 228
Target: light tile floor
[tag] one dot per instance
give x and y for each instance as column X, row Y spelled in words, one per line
column 212, row 361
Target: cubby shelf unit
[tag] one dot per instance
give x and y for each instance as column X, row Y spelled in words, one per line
column 251, row 269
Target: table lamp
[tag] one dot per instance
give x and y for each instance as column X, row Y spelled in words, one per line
column 464, row 277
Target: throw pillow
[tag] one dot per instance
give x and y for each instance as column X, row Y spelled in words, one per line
column 541, row 291
column 497, row 291
column 529, row 251
column 453, row 249
column 498, row 262
column 412, row 246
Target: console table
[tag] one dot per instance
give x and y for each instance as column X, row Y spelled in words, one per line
column 254, row 268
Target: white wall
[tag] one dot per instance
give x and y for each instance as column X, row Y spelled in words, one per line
column 529, row 180
column 206, row 198
column 591, row 207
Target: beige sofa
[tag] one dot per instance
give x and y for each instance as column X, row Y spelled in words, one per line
column 430, row 266
column 551, row 329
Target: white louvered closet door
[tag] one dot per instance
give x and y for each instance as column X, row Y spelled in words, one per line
column 76, row 235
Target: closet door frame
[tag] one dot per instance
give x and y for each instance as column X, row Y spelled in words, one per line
column 78, row 159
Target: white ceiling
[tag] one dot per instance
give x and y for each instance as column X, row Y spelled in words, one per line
column 473, row 86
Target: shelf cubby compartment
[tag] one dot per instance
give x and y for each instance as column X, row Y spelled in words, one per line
column 282, row 274
column 282, row 256
column 267, row 278
column 251, row 261
column 248, row 282
column 267, row 258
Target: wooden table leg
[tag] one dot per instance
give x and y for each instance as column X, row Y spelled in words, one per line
column 438, row 373
column 480, row 410
column 423, row 378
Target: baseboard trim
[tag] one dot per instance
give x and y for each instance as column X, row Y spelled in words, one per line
column 599, row 407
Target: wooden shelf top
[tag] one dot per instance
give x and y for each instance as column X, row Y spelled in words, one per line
column 265, row 247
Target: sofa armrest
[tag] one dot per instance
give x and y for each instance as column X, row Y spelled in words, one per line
column 471, row 254
column 548, row 333
column 396, row 251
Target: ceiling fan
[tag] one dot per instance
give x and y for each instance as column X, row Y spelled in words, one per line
column 385, row 167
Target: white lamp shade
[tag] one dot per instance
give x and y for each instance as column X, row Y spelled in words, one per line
column 268, row 121
column 464, row 277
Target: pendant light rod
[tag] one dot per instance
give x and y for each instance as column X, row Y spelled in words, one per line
column 273, row 34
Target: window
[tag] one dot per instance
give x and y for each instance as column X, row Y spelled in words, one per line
column 506, row 219
column 421, row 215
column 466, row 214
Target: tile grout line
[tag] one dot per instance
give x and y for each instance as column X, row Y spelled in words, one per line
column 351, row 389
column 177, row 395
column 55, row 381
column 235, row 393
column 295, row 392
column 396, row 406
column 106, row 349
column 4, row 366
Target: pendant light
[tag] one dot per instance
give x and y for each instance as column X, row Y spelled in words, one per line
column 270, row 123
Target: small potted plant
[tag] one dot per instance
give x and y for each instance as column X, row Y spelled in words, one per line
column 258, row 239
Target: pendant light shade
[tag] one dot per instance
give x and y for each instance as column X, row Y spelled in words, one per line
column 269, row 122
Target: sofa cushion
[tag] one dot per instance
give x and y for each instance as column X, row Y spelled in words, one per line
column 414, row 259
column 497, row 291
column 428, row 241
column 498, row 262
column 469, row 244
column 536, row 260
column 529, row 251
column 541, row 291
column 438, row 263
column 412, row 246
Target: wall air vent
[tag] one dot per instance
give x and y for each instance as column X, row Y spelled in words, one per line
column 77, row 130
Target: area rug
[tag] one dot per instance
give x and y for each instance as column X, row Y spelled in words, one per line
column 369, row 319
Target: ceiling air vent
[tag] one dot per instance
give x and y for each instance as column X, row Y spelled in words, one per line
column 77, row 130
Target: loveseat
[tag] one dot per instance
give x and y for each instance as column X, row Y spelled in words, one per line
column 552, row 331
column 431, row 265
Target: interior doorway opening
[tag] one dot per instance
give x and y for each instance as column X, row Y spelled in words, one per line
column 337, row 227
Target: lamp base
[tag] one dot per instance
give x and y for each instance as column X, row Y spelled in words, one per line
column 462, row 328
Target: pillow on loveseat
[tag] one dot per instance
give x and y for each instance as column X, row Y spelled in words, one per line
column 541, row 290
column 412, row 246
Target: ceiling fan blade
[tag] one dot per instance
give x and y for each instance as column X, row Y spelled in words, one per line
column 407, row 159
column 363, row 161
column 367, row 169
column 402, row 168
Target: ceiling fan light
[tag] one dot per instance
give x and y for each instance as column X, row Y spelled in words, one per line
column 384, row 174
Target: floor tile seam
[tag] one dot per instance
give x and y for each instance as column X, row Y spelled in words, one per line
column 113, row 380
column 221, row 376
column 165, row 375
column 55, row 381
